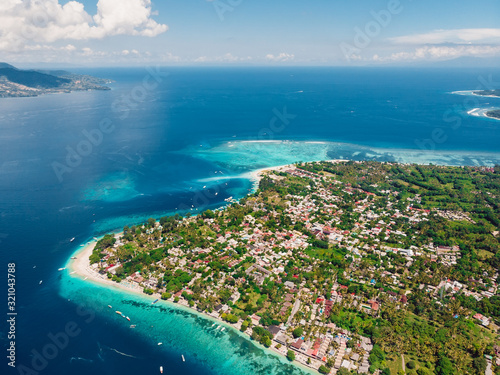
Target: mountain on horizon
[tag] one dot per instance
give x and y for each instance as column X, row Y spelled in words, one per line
column 31, row 78
column 16, row 82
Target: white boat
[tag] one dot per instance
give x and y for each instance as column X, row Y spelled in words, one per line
column 75, row 257
column 161, row 369
column 127, row 318
column 85, row 278
column 160, row 343
column 132, row 326
column 213, row 324
column 223, row 328
column 110, row 306
column 61, row 269
column 41, row 281
column 72, row 239
column 183, row 360
column 71, row 273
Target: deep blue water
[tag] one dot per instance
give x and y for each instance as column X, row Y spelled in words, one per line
column 165, row 144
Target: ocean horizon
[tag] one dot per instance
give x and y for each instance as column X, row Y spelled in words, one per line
column 83, row 164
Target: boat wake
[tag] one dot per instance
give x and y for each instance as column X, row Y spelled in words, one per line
column 80, row 359
column 121, row 353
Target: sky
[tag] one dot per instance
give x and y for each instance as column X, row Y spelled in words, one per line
column 249, row 32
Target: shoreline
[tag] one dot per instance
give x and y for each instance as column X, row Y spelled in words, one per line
column 80, row 268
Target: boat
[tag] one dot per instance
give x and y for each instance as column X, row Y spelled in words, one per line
column 41, row 281
column 183, row 360
column 161, row 369
column 160, row 343
column 213, row 324
column 71, row 273
column 127, row 318
column 223, row 328
column 110, row 306
column 132, row 326
column 118, row 312
column 156, row 300
column 61, row 269
column 75, row 257
column 72, row 239
column 85, row 278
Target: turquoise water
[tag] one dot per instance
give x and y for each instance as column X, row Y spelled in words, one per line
column 179, row 329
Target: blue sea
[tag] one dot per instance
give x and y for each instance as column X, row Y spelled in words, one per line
column 168, row 140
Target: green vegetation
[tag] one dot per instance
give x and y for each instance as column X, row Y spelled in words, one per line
column 403, row 257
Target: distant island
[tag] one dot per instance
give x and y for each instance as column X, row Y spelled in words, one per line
column 26, row 83
column 376, row 267
column 488, row 93
column 494, row 113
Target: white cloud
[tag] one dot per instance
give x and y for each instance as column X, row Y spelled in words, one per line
column 460, row 36
column 228, row 57
column 45, row 21
column 281, row 57
column 435, row 53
